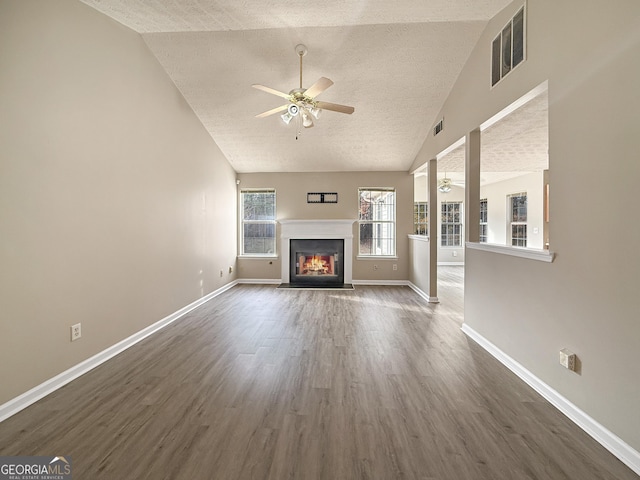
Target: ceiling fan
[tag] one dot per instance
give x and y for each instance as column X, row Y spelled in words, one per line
column 446, row 183
column 302, row 102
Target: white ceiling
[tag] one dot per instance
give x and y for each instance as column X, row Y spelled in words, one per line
column 395, row 62
column 516, row 145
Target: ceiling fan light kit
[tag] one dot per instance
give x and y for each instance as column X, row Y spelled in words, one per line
column 303, row 101
column 444, row 185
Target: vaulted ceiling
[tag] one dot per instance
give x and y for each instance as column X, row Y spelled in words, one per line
column 395, row 62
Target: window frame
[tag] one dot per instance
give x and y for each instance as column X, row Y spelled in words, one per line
column 271, row 221
column 378, row 222
column 484, row 224
column 511, row 32
column 421, row 218
column 459, row 224
column 519, row 223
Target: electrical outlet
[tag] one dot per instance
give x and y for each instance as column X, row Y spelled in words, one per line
column 395, row 266
column 568, row 359
column 221, row 273
column 76, row 331
column 230, row 269
column 375, row 267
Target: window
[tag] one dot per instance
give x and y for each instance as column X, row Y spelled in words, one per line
column 420, row 218
column 483, row 221
column 377, row 221
column 507, row 49
column 258, row 222
column 518, row 219
column 451, row 224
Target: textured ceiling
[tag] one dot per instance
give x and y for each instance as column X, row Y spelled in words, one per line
column 516, row 145
column 395, row 62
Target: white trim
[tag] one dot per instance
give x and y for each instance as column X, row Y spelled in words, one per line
column 341, row 228
column 429, row 299
column 260, row 281
column 618, row 447
column 530, row 253
column 451, row 148
column 321, row 221
column 21, row 402
column 402, row 283
column 508, row 110
column 420, row 238
column 376, row 257
column 450, row 264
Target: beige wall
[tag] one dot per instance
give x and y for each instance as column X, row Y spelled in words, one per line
column 586, row 300
column 291, row 203
column 116, row 207
column 419, row 266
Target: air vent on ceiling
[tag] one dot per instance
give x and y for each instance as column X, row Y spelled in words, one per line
column 438, row 128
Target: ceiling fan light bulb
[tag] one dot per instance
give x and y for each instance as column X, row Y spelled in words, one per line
column 315, row 112
column 293, row 110
column 286, row 118
column 307, row 122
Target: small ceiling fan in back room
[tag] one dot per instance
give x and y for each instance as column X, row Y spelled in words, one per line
column 302, row 102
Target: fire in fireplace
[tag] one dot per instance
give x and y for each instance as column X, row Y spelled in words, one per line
column 317, row 262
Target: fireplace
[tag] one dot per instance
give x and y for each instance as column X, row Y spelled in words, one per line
column 340, row 230
column 316, row 262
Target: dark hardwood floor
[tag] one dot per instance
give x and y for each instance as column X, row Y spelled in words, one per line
column 266, row 383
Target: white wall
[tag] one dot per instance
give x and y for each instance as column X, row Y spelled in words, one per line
column 116, row 206
column 498, row 208
column 450, row 255
column 586, row 300
column 445, row 254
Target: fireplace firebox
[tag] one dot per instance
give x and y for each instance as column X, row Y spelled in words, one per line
column 316, row 262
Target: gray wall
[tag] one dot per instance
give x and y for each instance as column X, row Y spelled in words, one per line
column 586, row 300
column 291, row 203
column 116, row 207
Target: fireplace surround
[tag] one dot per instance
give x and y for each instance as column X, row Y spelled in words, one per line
column 316, row 262
column 317, row 230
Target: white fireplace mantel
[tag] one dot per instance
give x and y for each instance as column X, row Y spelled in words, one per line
column 310, row 229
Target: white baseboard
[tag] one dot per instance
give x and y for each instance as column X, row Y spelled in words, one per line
column 260, row 281
column 601, row 434
column 21, row 402
column 381, row 282
column 451, row 264
column 423, row 294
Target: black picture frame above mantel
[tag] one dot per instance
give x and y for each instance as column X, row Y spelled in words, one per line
column 322, row 197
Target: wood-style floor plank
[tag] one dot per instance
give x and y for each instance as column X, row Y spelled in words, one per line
column 261, row 383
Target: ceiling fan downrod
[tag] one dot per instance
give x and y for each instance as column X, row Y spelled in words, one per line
column 301, row 50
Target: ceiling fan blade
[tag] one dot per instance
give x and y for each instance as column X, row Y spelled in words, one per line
column 317, row 88
column 281, row 108
column 271, row 91
column 335, row 107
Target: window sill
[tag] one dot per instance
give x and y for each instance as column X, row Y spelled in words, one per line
column 529, row 253
column 421, row 238
column 376, row 257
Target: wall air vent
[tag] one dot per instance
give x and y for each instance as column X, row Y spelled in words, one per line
column 438, row 128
